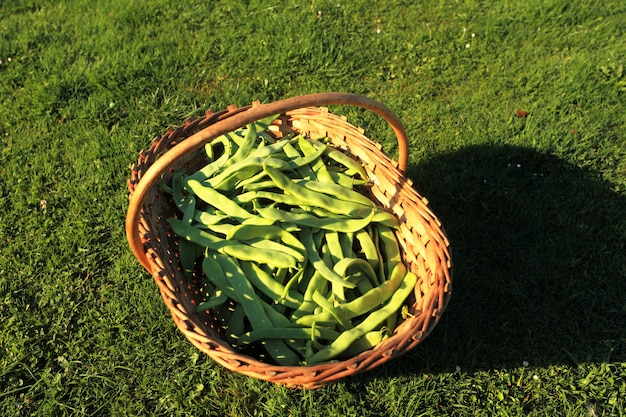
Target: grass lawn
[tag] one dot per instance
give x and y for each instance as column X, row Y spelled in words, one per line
column 516, row 113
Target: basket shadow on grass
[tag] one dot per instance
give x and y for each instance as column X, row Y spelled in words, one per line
column 538, row 250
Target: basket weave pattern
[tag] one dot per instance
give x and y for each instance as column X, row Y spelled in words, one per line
column 425, row 248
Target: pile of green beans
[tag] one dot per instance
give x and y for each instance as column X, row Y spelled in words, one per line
column 297, row 262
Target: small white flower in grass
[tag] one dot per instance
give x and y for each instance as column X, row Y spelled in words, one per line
column 467, row 45
column 525, row 363
column 473, row 35
column 536, row 377
column 458, row 368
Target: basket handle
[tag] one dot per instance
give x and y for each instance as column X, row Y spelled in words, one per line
column 231, row 123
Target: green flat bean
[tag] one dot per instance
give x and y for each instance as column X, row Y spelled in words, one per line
column 316, row 283
column 236, row 138
column 373, row 232
column 187, row 254
column 177, row 190
column 217, row 200
column 230, row 182
column 215, row 300
column 205, row 218
column 286, row 333
column 363, row 283
column 274, row 149
column 364, row 303
column 337, row 223
column 187, row 251
column 378, row 216
column 352, row 166
column 290, row 151
column 213, row 272
column 254, row 231
column 318, row 166
column 338, row 191
column 253, row 308
column 346, row 180
column 388, row 247
column 263, row 124
column 337, row 289
column 262, row 153
column 280, row 274
column 276, row 247
column 236, row 325
column 347, row 242
column 391, row 322
column 386, row 219
column 257, row 185
column 242, row 170
column 280, row 308
column 270, row 287
column 311, row 280
column 343, row 267
column 211, row 168
column 237, row 250
column 376, row 318
column 306, row 160
column 304, row 277
column 305, row 171
column 222, row 229
column 369, row 251
column 277, row 318
column 366, row 342
column 255, row 196
column 245, row 146
column 249, row 184
column 209, row 152
column 246, row 138
column 316, row 199
column 291, row 283
column 266, row 138
column 319, row 264
column 258, row 220
column 334, row 246
column 327, row 306
column 376, row 296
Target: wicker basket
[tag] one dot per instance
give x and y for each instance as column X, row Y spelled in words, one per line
column 424, row 246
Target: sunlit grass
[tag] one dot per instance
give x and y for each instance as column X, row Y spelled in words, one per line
column 515, row 113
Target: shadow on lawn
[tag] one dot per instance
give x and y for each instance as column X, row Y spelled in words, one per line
column 539, row 253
